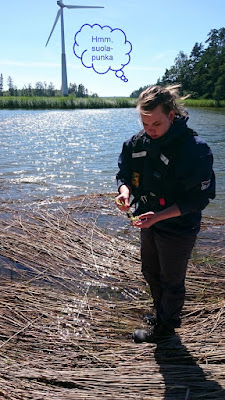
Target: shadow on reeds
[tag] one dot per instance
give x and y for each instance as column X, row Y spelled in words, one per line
column 184, row 378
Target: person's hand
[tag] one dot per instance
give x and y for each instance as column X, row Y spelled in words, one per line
column 145, row 220
column 150, row 218
column 122, row 200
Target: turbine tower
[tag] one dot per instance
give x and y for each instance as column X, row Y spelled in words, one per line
column 60, row 13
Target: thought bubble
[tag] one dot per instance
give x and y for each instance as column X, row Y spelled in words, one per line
column 103, row 49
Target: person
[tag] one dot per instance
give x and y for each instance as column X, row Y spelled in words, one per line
column 167, row 169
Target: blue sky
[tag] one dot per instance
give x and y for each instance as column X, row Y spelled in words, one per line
column 157, row 31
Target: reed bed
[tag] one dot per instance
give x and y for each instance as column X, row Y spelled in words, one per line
column 70, row 102
column 71, row 295
column 204, row 103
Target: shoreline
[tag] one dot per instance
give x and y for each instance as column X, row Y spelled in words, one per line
column 100, row 208
column 72, row 103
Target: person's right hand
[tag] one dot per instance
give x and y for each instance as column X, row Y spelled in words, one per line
column 122, row 200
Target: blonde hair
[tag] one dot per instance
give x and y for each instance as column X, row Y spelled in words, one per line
column 154, row 96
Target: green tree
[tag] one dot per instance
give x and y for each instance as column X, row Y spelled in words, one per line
column 29, row 90
column 72, row 89
column 39, row 89
column 51, row 90
column 169, row 77
column 201, row 74
column 23, row 91
column 137, row 92
column 194, row 59
column 11, row 86
column 196, row 55
column 81, row 92
column 1, row 85
column 211, row 64
column 219, row 87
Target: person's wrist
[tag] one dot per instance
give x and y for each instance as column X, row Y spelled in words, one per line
column 157, row 217
column 124, row 190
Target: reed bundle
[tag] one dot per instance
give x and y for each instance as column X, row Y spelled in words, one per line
column 71, row 295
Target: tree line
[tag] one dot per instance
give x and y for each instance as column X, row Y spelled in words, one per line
column 42, row 89
column 202, row 73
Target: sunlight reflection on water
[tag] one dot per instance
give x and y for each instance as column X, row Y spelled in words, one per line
column 66, row 153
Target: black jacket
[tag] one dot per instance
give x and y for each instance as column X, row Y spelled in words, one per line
column 174, row 169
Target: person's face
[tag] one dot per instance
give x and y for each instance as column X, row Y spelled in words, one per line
column 157, row 123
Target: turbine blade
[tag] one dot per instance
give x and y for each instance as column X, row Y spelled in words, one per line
column 68, row 6
column 56, row 20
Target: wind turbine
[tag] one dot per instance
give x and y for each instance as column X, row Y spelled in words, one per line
column 60, row 13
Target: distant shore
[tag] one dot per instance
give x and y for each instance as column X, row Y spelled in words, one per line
column 65, row 103
column 70, row 103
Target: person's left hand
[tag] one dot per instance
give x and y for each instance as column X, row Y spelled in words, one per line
column 150, row 218
column 145, row 220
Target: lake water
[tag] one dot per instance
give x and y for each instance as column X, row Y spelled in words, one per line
column 44, row 153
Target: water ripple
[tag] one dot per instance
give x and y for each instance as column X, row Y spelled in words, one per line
column 47, row 153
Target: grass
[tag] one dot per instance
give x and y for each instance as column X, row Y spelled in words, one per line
column 69, row 102
column 204, row 103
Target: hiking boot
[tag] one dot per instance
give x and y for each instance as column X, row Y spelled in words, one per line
column 159, row 332
column 141, row 335
column 150, row 319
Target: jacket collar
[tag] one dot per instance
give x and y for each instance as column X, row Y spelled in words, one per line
column 167, row 143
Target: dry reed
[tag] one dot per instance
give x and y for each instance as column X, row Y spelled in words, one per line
column 71, row 295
